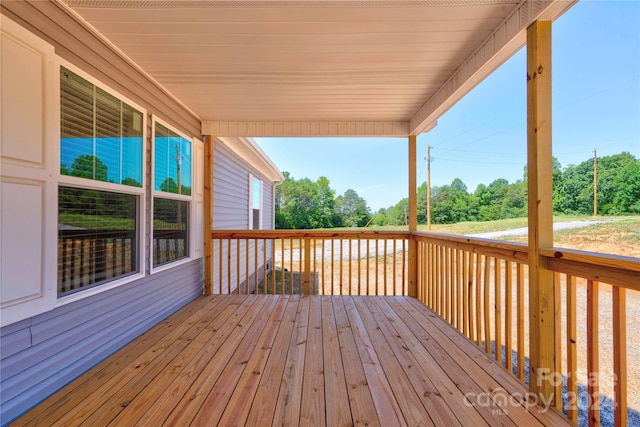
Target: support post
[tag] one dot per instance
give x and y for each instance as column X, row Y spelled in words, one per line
column 540, row 207
column 413, row 220
column 208, row 214
column 307, row 267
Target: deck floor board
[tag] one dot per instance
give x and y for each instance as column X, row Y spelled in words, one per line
column 289, row 360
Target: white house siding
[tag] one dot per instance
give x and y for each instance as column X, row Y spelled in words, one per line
column 41, row 354
column 231, row 212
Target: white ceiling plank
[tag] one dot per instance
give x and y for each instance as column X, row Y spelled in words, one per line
column 313, row 67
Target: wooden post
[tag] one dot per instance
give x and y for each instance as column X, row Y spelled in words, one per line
column 413, row 220
column 540, row 206
column 208, row 215
column 307, row 267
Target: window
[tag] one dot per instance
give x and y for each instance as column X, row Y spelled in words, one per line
column 96, row 237
column 172, row 195
column 100, row 192
column 255, row 203
column 101, row 136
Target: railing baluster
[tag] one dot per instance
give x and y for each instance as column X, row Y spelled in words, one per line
column 264, row 265
column 367, row 266
column 341, row 242
column 572, row 353
column 433, row 275
column 438, row 279
column 395, row 289
column 350, row 271
column 255, row 266
column 487, row 315
column 246, row 266
column 291, row 266
column 448, row 289
column 324, row 291
column 593, row 369
column 273, row 267
column 521, row 317
column 332, row 266
column 508, row 330
column 384, row 268
column 497, row 316
column 359, row 268
column 376, row 268
column 620, row 356
column 314, row 276
column 478, row 287
column 307, row 265
column 238, row 266
column 558, row 341
column 404, row 270
column 469, row 286
column 229, row 266
column 282, row 267
column 459, row 289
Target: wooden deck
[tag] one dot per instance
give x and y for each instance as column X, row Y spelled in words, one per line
column 286, row 360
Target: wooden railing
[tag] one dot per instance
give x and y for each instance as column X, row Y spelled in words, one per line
column 481, row 288
column 310, row 262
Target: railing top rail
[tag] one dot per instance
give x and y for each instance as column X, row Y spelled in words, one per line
column 510, row 251
column 615, row 270
column 311, row 234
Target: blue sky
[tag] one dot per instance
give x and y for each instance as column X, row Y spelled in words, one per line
column 596, row 105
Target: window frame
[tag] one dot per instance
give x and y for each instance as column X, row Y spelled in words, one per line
column 190, row 199
column 91, row 184
column 253, row 177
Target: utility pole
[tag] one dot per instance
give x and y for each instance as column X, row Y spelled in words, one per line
column 595, row 182
column 428, row 159
column 179, row 166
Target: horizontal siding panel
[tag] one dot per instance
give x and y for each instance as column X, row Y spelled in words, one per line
column 15, row 342
column 74, row 326
column 63, row 353
column 101, row 349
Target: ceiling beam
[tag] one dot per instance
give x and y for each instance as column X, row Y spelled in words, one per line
column 496, row 49
column 306, row 129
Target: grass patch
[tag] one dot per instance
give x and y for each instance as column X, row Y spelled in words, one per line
column 94, row 222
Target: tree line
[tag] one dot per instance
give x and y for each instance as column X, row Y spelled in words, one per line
column 304, row 204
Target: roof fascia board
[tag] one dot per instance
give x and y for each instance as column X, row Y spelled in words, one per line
column 306, row 129
column 257, row 159
column 505, row 41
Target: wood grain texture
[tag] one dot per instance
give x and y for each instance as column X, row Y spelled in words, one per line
column 296, row 360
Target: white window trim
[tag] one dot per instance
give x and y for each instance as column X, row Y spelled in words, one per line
column 161, row 194
column 81, row 183
column 250, row 210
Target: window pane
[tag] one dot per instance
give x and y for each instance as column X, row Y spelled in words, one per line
column 256, row 219
column 96, row 238
column 131, row 146
column 172, row 162
column 255, row 202
column 170, row 226
column 101, row 137
column 76, row 125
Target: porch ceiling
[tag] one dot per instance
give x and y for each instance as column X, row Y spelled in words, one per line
column 316, row 67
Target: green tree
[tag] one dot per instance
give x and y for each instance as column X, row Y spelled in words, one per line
column 450, row 203
column 87, row 166
column 354, row 209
